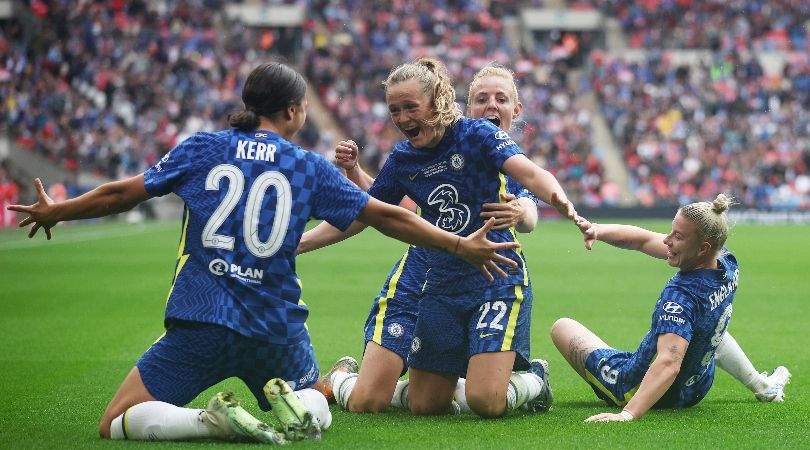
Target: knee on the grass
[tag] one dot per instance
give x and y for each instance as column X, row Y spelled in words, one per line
column 486, row 404
column 365, row 404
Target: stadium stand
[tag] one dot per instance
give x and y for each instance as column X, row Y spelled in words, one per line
column 357, row 43
column 111, row 86
column 714, row 98
column 718, row 25
column 691, row 131
column 718, row 101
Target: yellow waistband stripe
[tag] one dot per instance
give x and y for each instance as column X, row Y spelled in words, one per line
column 383, row 302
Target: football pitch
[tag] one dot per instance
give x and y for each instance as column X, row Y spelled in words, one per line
column 77, row 312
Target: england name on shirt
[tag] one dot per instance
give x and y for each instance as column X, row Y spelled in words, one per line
column 248, row 197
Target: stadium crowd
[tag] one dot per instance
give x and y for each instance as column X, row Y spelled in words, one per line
column 691, row 131
column 358, row 42
column 721, row 25
column 110, row 86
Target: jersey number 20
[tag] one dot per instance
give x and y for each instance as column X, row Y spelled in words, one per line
column 253, row 206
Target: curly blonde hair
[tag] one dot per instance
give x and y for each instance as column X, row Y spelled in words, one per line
column 436, row 85
column 711, row 219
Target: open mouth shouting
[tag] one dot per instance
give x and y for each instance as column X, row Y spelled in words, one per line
column 411, row 133
column 494, row 119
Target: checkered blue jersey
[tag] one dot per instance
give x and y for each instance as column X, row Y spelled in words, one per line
column 515, row 188
column 450, row 183
column 695, row 305
column 248, row 197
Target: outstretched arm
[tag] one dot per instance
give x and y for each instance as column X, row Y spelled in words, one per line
column 109, row 198
column 656, row 382
column 347, row 156
column 628, row 237
column 520, row 213
column 539, row 182
column 406, row 226
column 325, row 234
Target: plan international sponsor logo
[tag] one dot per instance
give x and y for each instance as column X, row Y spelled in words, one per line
column 221, row 267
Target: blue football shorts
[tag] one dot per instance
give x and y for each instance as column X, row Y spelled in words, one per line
column 392, row 319
column 391, row 323
column 451, row 329
column 193, row 356
column 612, row 375
column 615, row 375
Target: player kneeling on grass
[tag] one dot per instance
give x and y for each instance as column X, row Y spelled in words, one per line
column 234, row 308
column 389, row 328
column 674, row 365
column 450, row 165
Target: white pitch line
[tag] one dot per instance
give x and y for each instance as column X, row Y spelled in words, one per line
column 90, row 233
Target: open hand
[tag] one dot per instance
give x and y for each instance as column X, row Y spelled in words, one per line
column 588, row 230
column 39, row 214
column 479, row 251
column 564, row 207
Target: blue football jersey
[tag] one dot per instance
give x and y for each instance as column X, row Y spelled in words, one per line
column 450, row 183
column 515, row 188
column 695, row 305
column 248, row 197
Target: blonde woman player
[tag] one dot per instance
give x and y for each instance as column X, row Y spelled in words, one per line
column 450, row 166
column 674, row 365
column 492, row 95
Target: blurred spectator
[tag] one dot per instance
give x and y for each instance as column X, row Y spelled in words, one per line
column 111, row 86
column 355, row 44
column 724, row 25
column 9, row 195
column 691, row 132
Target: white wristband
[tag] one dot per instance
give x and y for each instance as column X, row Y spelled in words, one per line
column 627, row 415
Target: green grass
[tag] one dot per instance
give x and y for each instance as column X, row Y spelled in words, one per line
column 78, row 311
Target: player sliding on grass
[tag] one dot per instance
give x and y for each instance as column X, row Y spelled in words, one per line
column 234, row 307
column 450, row 165
column 674, row 365
column 389, row 328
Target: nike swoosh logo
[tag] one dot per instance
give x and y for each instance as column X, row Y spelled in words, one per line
column 486, row 335
column 413, row 177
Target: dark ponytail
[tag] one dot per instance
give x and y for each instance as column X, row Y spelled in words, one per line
column 269, row 89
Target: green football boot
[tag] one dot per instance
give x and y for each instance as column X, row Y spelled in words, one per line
column 228, row 421
column 296, row 422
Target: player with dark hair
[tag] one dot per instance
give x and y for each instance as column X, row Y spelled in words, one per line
column 234, row 308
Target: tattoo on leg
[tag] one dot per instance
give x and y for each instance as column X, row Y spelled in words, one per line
column 577, row 353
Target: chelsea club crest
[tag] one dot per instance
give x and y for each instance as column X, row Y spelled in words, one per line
column 456, row 161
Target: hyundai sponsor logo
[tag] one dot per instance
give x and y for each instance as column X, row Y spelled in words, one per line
column 673, row 308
